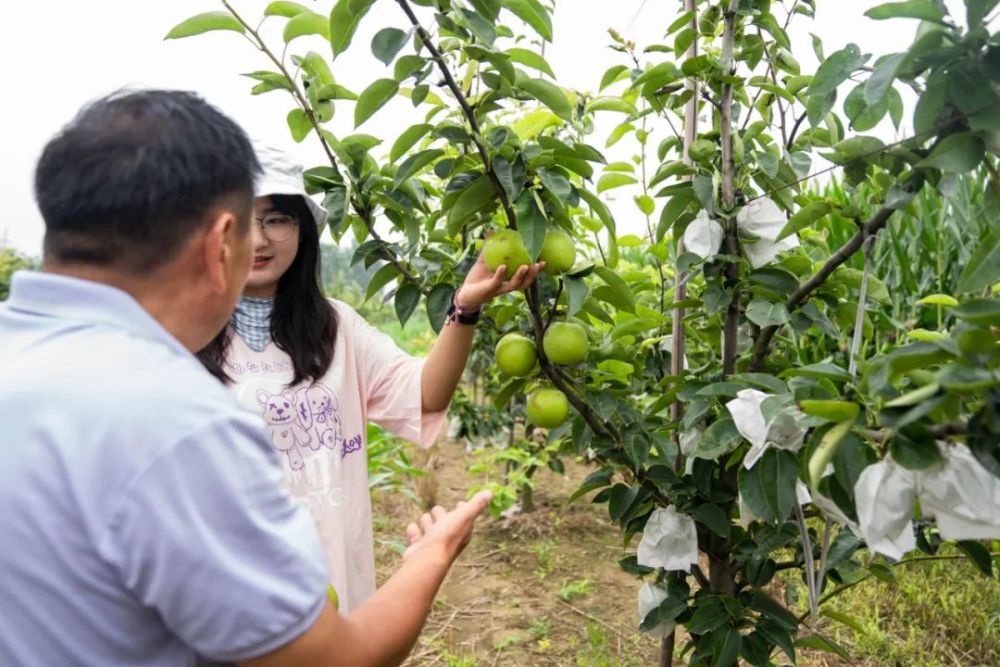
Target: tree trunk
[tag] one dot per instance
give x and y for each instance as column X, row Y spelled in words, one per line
column 667, row 650
column 526, row 498
column 731, row 330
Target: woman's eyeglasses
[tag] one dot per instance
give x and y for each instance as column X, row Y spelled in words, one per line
column 277, row 227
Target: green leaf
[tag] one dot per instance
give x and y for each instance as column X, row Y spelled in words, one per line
column 845, row 619
column 726, row 643
column 777, row 636
column 836, row 69
column 316, row 67
column 613, row 74
column 415, row 163
column 476, row 196
column 926, row 10
column 827, row 448
column 885, row 73
column 978, row 554
column 614, row 179
column 344, row 20
column 980, row 104
column 532, row 13
column 709, row 615
column 959, row 152
column 407, row 298
column 299, row 124
column 531, row 59
column 595, row 480
column 481, row 28
column 406, row 66
column 284, row 8
column 858, row 147
column 820, row 643
column 976, row 10
column 768, row 488
column 774, row 612
column 805, row 217
column 980, row 311
column 766, row 314
column 681, row 21
column 819, row 106
column 438, row 302
column 914, row 448
column 704, row 189
column 548, row 94
column 504, row 395
column 206, row 22
column 555, row 183
column 490, row 9
column 895, row 107
column 983, row 267
column 380, row 280
column 673, row 209
column 762, row 380
column 718, row 439
column 608, row 103
column 373, row 98
column 712, row 517
column 387, row 42
column 268, row 81
column 931, row 104
column 621, row 499
column 625, row 299
column 410, row 136
column 576, row 294
column 962, row 379
column 824, row 370
column 531, row 224
column 658, row 76
column 604, row 213
column 862, row 116
column 306, row 23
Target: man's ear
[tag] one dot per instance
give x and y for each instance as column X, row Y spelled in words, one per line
column 220, row 253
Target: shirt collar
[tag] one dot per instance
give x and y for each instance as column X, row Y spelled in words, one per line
column 80, row 300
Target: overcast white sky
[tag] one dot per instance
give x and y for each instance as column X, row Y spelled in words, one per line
column 61, row 53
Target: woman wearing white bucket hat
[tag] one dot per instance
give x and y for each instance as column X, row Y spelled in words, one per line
column 317, row 372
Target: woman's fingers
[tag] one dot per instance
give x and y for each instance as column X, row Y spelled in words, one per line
column 523, row 278
column 413, row 533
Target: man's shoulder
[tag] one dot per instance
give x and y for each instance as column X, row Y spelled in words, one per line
column 127, row 380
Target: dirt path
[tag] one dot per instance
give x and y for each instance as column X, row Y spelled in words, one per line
column 537, row 589
column 544, row 588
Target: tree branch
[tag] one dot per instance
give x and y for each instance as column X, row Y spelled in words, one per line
column 677, row 348
column 795, row 129
column 732, row 322
column 554, row 374
column 300, row 99
column 467, row 111
column 796, row 298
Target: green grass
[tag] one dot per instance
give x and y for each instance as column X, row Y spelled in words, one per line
column 936, row 614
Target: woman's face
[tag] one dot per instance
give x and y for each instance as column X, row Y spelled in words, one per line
column 275, row 243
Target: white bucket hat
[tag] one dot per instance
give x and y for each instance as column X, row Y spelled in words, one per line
column 281, row 175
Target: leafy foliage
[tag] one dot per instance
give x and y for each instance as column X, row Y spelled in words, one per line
column 811, row 297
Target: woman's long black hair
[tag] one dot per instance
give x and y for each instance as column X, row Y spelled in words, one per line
column 303, row 322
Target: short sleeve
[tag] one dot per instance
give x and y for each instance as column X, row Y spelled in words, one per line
column 394, row 391
column 207, row 537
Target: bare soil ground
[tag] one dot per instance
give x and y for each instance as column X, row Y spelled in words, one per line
column 540, row 588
